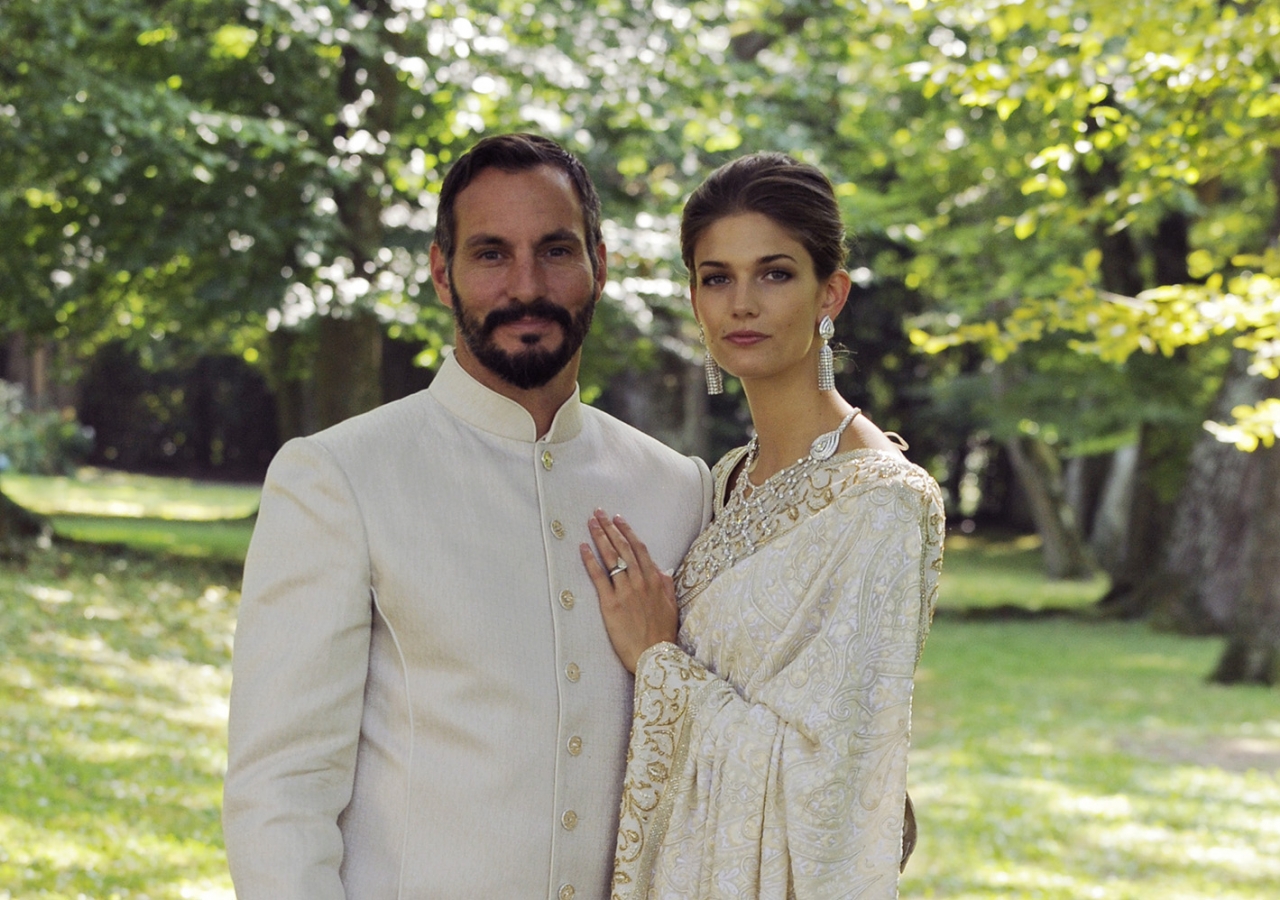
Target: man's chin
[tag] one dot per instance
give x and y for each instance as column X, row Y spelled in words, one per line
column 527, row 369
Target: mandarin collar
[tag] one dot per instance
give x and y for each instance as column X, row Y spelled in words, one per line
column 489, row 411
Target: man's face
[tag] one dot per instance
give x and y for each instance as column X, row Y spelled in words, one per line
column 521, row 284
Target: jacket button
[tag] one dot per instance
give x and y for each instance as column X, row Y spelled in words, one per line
column 548, row 460
column 567, row 599
column 557, row 529
column 569, row 820
column 567, row 892
column 575, row 745
column 572, row 672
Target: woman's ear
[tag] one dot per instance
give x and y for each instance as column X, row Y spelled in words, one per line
column 835, row 293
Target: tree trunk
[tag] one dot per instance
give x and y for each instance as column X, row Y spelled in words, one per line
column 1040, row 474
column 1205, row 566
column 1252, row 654
column 288, row 374
column 348, row 367
column 1109, row 527
column 1143, row 539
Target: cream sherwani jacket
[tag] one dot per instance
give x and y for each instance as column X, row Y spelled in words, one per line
column 425, row 703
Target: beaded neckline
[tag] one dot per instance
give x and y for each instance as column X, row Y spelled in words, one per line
column 823, row 448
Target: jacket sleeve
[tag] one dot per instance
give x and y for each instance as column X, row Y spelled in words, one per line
column 791, row 783
column 298, row 671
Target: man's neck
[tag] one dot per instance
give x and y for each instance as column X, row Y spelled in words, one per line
column 541, row 403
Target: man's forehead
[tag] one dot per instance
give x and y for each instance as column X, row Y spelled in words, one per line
column 543, row 196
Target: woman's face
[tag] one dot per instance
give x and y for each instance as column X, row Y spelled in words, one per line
column 758, row 299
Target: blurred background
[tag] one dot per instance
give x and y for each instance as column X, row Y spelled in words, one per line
column 214, row 224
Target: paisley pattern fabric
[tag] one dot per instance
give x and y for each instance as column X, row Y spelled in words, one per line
column 768, row 752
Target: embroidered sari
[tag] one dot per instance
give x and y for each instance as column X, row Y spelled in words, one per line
column 768, row 752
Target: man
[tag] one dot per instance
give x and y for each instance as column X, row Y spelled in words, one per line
column 425, row 703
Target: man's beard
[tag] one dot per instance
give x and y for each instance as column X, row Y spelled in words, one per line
column 531, row 368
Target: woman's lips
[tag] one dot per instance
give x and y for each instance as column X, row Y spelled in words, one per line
column 744, row 338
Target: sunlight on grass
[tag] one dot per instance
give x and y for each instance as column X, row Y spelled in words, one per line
column 99, row 492
column 114, row 682
column 987, row 572
column 1055, row 758
column 219, row 540
column 1061, row 759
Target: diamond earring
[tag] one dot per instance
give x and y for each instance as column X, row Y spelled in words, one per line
column 826, row 363
column 715, row 379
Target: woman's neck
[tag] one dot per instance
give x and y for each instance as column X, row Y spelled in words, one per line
column 787, row 418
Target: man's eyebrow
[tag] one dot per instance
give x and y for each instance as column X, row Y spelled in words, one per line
column 485, row 240
column 561, row 235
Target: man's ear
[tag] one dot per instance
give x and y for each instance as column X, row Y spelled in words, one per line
column 440, row 275
column 602, row 269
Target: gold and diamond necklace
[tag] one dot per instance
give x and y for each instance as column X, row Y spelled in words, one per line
column 748, row 517
column 823, row 447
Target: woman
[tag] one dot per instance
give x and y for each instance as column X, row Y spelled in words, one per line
column 768, row 754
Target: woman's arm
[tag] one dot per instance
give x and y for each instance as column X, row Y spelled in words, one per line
column 796, row 781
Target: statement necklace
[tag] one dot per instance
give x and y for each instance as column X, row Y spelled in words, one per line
column 823, row 448
column 750, row 517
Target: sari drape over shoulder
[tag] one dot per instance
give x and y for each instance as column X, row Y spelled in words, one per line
column 768, row 753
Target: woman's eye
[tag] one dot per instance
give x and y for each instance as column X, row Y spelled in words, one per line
column 713, row 280
column 777, row 275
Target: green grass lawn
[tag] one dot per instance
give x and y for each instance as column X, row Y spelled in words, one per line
column 100, row 492
column 1055, row 758
column 171, row 516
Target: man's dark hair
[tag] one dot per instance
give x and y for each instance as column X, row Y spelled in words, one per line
column 516, row 153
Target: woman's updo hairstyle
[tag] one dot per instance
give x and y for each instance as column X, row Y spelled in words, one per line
column 796, row 196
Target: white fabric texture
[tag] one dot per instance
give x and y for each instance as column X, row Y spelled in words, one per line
column 768, row 755
column 425, row 703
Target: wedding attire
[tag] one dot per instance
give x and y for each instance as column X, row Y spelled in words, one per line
column 425, row 703
column 768, row 752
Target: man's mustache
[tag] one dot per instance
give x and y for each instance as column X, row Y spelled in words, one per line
column 540, row 308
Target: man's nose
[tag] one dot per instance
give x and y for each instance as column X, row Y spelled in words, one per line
column 527, row 282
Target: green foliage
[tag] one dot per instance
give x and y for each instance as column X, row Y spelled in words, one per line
column 45, row 443
column 221, row 168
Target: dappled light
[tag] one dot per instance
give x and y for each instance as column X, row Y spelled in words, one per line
column 96, row 492
column 115, row 678
column 1056, row 759
column 1065, row 251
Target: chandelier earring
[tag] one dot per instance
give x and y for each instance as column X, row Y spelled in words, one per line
column 715, row 378
column 826, row 362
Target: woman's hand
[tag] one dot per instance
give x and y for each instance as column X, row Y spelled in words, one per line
column 639, row 601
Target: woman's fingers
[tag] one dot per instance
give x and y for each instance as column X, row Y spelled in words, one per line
column 630, row 549
column 599, row 577
column 611, row 550
column 637, row 547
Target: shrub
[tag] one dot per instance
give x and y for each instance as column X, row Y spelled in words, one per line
column 39, row 443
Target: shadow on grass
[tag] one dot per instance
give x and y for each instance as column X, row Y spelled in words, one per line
column 114, row 672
